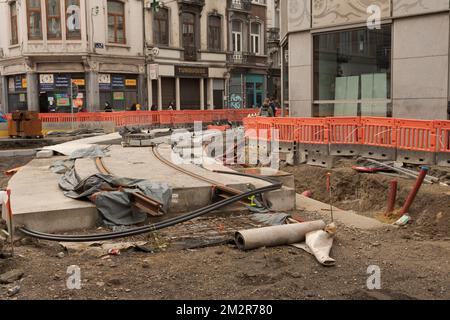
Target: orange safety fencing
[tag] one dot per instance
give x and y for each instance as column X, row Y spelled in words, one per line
column 443, row 136
column 129, row 118
column 345, row 130
column 287, row 129
column 402, row 134
column 312, row 130
column 379, row 132
column 416, row 135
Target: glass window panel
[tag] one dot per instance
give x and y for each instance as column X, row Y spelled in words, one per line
column 53, row 19
column 355, row 66
column 34, row 19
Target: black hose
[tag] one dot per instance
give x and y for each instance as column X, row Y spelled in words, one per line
column 157, row 226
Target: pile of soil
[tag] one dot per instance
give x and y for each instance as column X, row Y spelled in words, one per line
column 367, row 194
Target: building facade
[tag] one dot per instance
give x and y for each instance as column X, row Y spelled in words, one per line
column 189, row 54
column 46, row 51
column 247, row 57
column 366, row 58
column 186, row 43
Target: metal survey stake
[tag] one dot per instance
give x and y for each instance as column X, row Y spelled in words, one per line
column 330, row 195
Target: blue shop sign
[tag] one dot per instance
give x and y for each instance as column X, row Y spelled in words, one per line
column 118, row 82
column 62, row 81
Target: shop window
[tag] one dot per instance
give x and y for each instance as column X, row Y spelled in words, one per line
column 73, row 25
column 237, row 35
column 214, row 33
column 13, row 15
column 53, row 19
column 255, row 38
column 34, row 19
column 116, row 22
column 352, row 73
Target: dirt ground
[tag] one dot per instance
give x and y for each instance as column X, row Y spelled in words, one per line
column 367, row 194
column 414, row 261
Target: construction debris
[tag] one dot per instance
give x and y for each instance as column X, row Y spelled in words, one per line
column 276, row 235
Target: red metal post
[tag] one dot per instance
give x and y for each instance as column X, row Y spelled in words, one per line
column 392, row 197
column 409, row 201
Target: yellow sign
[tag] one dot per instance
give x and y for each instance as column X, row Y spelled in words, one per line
column 79, row 82
column 131, row 82
column 24, row 83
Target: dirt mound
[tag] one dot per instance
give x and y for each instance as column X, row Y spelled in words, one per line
column 367, row 195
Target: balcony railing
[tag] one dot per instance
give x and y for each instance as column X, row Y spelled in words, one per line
column 241, row 58
column 241, row 5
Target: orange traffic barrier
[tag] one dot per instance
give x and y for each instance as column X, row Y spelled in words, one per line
column 345, row 130
column 379, row 132
column 312, row 130
column 416, row 135
column 287, row 129
column 443, row 135
column 265, row 126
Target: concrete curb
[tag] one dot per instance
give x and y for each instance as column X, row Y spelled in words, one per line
column 17, row 153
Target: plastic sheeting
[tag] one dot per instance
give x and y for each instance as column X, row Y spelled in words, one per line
column 115, row 206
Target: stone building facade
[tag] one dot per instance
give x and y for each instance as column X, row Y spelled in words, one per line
column 338, row 61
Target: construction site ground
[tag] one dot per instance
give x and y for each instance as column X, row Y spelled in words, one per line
column 177, row 263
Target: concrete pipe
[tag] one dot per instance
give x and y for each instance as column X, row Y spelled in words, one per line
column 276, row 235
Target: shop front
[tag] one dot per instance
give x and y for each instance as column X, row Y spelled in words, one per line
column 192, row 86
column 55, row 92
column 247, row 90
column 17, row 93
column 118, row 90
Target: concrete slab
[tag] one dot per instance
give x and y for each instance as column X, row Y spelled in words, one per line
column 347, row 218
column 38, row 203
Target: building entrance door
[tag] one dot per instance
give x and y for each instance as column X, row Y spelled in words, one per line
column 254, row 91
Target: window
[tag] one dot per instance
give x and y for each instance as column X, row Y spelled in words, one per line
column 215, row 33
column 73, row 26
column 116, row 22
column 161, row 27
column 237, row 36
column 255, row 38
column 53, row 19
column 188, row 29
column 13, row 14
column 352, row 73
column 34, row 19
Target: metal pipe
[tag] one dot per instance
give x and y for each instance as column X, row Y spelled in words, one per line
column 409, row 201
column 392, row 197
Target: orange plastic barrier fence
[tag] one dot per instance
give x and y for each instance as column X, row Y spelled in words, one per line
column 312, row 130
column 443, row 136
column 287, row 129
column 416, row 135
column 123, row 118
column 251, row 127
column 265, row 126
column 379, row 132
column 345, row 130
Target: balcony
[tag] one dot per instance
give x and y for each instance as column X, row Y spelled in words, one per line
column 241, row 58
column 199, row 3
column 190, row 53
column 240, row 5
column 273, row 35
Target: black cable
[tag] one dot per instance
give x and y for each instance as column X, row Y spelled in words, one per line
column 160, row 225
